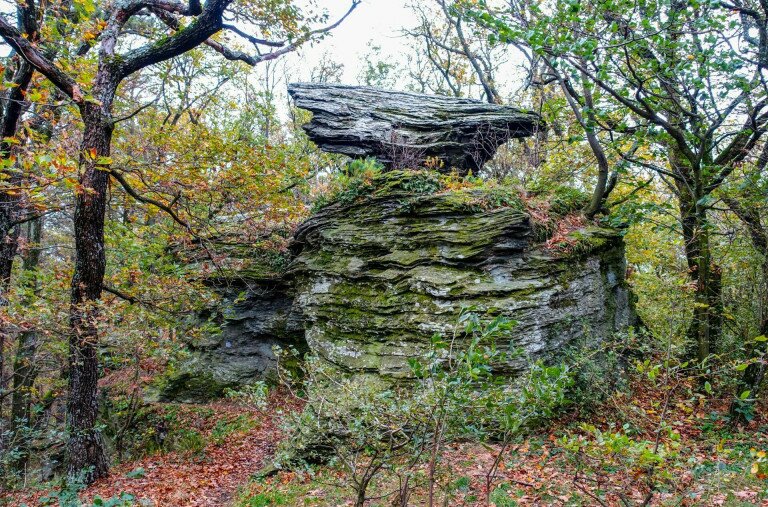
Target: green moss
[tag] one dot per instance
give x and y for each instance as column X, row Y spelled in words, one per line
column 460, row 194
column 380, row 277
column 189, row 386
column 413, row 182
column 592, row 239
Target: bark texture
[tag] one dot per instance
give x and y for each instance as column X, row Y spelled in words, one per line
column 85, row 447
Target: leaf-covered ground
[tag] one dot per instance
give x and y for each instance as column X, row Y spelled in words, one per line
column 236, row 441
column 208, row 477
column 715, row 466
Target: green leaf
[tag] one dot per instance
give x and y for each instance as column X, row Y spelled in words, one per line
column 136, row 474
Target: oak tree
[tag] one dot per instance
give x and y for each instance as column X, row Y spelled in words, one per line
column 92, row 87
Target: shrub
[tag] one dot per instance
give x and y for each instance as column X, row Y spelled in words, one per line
column 255, row 394
column 369, row 426
column 68, row 495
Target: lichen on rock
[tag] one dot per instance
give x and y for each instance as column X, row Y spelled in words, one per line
column 376, row 278
column 374, row 274
column 401, row 127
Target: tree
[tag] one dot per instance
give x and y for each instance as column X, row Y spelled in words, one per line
column 379, row 71
column 747, row 202
column 685, row 78
column 24, row 367
column 19, row 74
column 189, row 26
column 327, row 70
column 457, row 56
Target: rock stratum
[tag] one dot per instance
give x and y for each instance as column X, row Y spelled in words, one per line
column 406, row 129
column 397, row 255
column 377, row 279
column 256, row 316
column 371, row 279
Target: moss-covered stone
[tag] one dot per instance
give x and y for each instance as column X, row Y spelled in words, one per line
column 189, row 386
column 377, row 278
column 373, row 277
column 256, row 319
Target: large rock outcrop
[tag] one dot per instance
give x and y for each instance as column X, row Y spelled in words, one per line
column 374, row 276
column 257, row 317
column 405, row 129
column 376, row 279
column 371, row 279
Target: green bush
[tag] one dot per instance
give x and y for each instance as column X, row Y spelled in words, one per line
column 68, row 495
column 255, row 394
column 369, row 426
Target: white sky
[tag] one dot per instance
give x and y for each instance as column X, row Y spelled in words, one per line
column 377, row 22
column 374, row 23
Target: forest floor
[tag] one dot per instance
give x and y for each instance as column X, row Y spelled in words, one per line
column 236, row 443
column 217, row 447
column 220, row 446
column 714, row 464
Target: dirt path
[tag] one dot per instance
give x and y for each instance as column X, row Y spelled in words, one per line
column 181, row 479
column 206, row 479
column 209, row 477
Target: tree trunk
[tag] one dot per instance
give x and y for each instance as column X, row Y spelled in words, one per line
column 12, row 108
column 9, row 199
column 85, row 447
column 755, row 373
column 703, row 332
column 24, row 368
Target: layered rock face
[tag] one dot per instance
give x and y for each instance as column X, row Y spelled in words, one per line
column 243, row 351
column 372, row 280
column 373, row 277
column 375, row 280
column 405, row 129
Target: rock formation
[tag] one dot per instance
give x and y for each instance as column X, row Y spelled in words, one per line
column 242, row 352
column 405, row 129
column 377, row 279
column 373, row 277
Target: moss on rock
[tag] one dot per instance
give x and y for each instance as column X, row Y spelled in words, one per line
column 189, row 386
column 377, row 278
column 377, row 272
